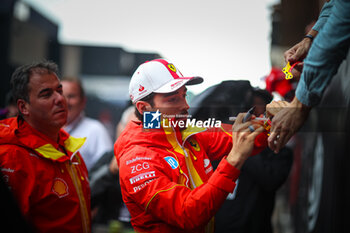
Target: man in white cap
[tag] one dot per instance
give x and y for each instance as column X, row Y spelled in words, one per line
column 166, row 178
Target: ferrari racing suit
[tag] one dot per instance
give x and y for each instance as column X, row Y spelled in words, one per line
column 167, row 180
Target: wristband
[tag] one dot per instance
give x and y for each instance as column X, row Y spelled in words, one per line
column 309, row 36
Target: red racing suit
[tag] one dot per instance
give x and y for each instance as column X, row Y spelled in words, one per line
column 49, row 180
column 167, row 180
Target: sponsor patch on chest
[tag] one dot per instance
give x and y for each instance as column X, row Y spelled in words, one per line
column 60, row 187
column 194, row 144
column 142, row 176
column 207, row 166
column 139, row 167
column 172, row 162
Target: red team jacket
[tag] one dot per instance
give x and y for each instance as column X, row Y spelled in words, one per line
column 167, row 180
column 51, row 187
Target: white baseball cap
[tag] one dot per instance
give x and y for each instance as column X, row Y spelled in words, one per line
column 158, row 76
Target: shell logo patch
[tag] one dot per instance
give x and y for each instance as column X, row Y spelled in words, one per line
column 60, row 187
column 194, row 144
column 172, row 67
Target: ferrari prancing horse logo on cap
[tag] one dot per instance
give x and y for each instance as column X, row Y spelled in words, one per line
column 172, row 67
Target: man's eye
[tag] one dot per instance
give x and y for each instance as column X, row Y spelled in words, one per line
column 172, row 100
column 46, row 94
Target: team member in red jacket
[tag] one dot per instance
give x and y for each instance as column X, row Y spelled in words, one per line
column 39, row 161
column 167, row 181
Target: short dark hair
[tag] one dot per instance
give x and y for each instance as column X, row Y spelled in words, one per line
column 148, row 99
column 21, row 77
column 263, row 94
column 77, row 81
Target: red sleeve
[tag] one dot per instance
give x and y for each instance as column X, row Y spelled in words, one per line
column 168, row 201
column 18, row 173
column 217, row 142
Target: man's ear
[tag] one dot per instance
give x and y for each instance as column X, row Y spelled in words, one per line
column 22, row 106
column 143, row 106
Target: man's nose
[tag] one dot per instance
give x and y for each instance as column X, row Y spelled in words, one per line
column 59, row 98
column 185, row 104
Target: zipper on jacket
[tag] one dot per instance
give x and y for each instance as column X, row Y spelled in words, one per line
column 181, row 172
column 188, row 169
column 186, row 155
column 83, row 208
